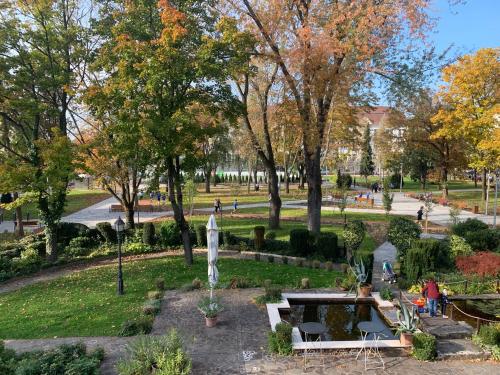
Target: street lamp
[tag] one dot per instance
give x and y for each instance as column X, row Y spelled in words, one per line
column 401, row 180
column 497, row 174
column 119, row 226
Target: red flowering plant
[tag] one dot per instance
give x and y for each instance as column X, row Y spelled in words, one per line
column 481, row 263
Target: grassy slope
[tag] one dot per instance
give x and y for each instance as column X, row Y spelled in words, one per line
column 86, row 304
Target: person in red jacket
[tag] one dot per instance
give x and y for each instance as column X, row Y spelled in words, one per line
column 431, row 291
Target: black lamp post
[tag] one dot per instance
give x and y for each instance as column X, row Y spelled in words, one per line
column 119, row 226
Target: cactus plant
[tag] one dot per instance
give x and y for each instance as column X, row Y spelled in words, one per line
column 407, row 322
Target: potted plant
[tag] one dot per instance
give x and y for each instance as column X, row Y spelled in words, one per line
column 363, row 289
column 407, row 324
column 210, row 308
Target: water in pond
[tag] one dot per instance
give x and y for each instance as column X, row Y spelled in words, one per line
column 483, row 308
column 340, row 318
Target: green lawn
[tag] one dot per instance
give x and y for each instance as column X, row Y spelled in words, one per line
column 411, row 186
column 327, row 214
column 472, row 198
column 85, row 303
column 242, row 227
column 77, row 199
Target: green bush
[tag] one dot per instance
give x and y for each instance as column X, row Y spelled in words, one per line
column 170, row 234
column 426, row 255
column 259, row 234
column 151, row 307
column 395, row 181
column 79, row 246
column 65, row 359
column 155, row 294
column 68, row 231
column 280, row 341
column 490, row 334
column 353, row 235
column 416, row 263
column 326, row 246
column 300, row 242
column 401, row 233
column 271, row 235
column 148, row 234
column 459, row 247
column 201, row 235
column 276, row 247
column 138, row 248
column 344, row 180
column 39, row 247
column 386, row 293
column 484, row 239
column 424, row 347
column 160, row 283
column 8, row 360
column 139, row 326
column 469, row 225
column 161, row 355
column 107, row 231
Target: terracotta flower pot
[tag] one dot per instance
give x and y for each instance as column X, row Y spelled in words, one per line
column 406, row 339
column 211, row 322
column 365, row 290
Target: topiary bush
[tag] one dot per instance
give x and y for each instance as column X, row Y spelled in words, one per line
column 79, row 246
column 68, row 231
column 170, row 234
column 424, row 347
column 276, row 247
column 280, row 340
column 300, row 242
column 259, row 233
column 107, row 231
column 469, row 225
column 353, row 236
column 148, row 234
column 326, row 246
column 201, row 235
column 401, row 233
column 416, row 263
column 484, row 239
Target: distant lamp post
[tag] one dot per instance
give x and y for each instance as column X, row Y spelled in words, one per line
column 495, row 205
column 401, row 179
column 119, row 226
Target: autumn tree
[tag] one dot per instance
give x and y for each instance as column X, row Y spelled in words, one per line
column 44, row 50
column 167, row 58
column 470, row 106
column 323, row 49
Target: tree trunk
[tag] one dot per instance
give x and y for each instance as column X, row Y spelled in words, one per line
column 175, row 198
column 51, row 241
column 255, row 178
column 275, row 203
column 287, row 183
column 301, row 177
column 484, row 184
column 207, row 182
column 313, row 172
column 444, row 181
column 475, row 177
column 129, row 216
column 19, row 218
column 249, row 181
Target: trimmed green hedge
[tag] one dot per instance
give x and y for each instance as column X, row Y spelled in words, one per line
column 424, row 347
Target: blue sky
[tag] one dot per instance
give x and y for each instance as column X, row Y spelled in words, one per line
column 469, row 26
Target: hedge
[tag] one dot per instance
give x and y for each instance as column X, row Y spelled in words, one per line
column 300, row 242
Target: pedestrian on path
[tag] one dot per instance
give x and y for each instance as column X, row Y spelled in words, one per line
column 444, row 303
column 431, row 289
column 420, row 214
column 235, row 205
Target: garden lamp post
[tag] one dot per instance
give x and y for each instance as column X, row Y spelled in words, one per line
column 401, row 180
column 497, row 174
column 119, row 226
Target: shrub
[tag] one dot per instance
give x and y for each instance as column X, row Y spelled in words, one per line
column 162, row 355
column 228, row 239
column 395, row 181
column 305, row 283
column 170, row 234
column 367, row 259
column 416, row 263
column 276, row 246
column 271, row 235
column 270, row 259
column 138, row 248
column 437, row 250
column 484, row 239
column 284, row 260
column 155, row 294
column 300, row 241
column 160, row 283
column 459, row 247
column 280, row 341
column 326, row 245
column 481, row 263
column 272, row 293
column 386, row 293
column 490, row 334
column 201, row 235
column 259, row 233
column 401, row 233
column 151, row 307
column 67, row 231
column 148, row 234
column 353, row 235
column 139, row 326
column 424, row 347
column 107, row 231
column 239, row 282
column 344, row 180
column 469, row 225
column 79, row 246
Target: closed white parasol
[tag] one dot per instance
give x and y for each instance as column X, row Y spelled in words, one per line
column 213, row 246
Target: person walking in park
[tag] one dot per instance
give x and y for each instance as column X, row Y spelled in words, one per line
column 158, row 197
column 235, row 205
column 444, row 302
column 431, row 289
column 420, row 214
column 163, row 199
column 216, row 205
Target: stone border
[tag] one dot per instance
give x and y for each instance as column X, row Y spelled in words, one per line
column 299, row 344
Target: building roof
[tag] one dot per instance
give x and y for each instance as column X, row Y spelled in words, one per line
column 374, row 116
